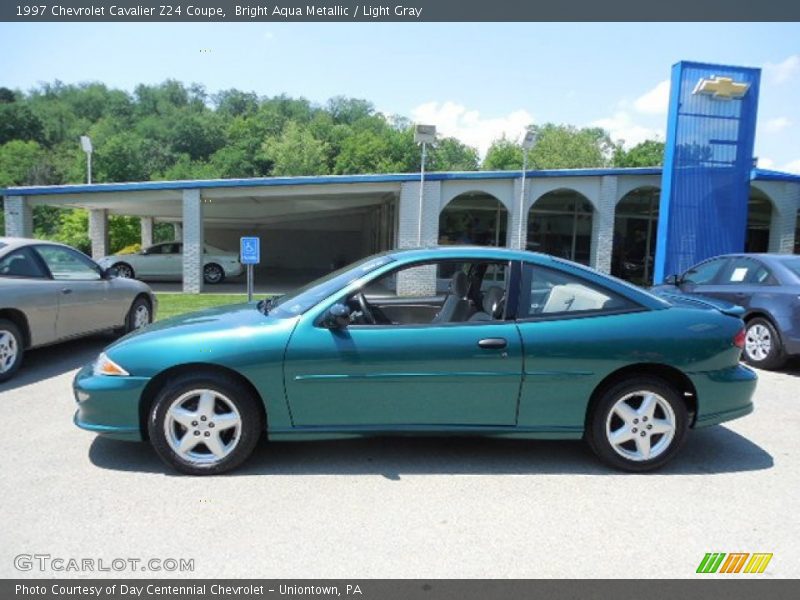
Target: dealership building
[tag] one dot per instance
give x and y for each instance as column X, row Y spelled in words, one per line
column 605, row 218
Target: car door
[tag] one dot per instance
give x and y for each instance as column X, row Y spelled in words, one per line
column 568, row 327
column 154, row 261
column 84, row 296
column 26, row 286
column 406, row 374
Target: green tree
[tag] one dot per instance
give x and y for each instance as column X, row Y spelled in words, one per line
column 503, row 155
column 296, row 152
column 649, row 153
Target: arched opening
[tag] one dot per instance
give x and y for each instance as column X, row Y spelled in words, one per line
column 797, row 233
column 759, row 218
column 635, row 229
column 560, row 223
column 474, row 218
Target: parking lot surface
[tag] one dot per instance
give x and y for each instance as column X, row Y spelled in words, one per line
column 402, row 507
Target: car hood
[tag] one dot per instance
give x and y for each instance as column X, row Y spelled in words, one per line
column 210, row 320
column 231, row 335
column 698, row 301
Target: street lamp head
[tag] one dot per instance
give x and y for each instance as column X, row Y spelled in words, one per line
column 86, row 144
column 424, row 134
column 529, row 141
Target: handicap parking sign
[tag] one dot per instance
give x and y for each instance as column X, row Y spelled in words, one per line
column 250, row 250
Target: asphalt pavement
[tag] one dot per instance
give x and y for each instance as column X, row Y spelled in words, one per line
column 403, row 507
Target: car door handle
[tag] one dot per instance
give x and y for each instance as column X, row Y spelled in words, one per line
column 66, row 290
column 492, row 343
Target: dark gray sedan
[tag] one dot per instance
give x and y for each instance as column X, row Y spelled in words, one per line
column 50, row 292
column 766, row 285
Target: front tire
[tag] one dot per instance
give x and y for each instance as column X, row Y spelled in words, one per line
column 213, row 273
column 140, row 315
column 12, row 348
column 124, row 270
column 762, row 345
column 205, row 425
column 638, row 425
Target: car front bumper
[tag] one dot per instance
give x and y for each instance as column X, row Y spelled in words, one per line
column 723, row 395
column 109, row 406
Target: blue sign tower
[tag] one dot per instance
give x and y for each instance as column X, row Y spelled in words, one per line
column 707, row 164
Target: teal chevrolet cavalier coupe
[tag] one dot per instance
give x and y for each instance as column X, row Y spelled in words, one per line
column 449, row 340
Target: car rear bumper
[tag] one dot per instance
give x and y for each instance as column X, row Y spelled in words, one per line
column 723, row 395
column 108, row 406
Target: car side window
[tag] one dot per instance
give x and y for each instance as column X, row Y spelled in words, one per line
column 550, row 293
column 746, row 271
column 475, row 292
column 67, row 264
column 21, row 263
column 704, row 272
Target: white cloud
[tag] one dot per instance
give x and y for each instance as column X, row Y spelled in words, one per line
column 765, row 163
column 783, row 71
column 654, row 102
column 622, row 127
column 456, row 120
column 777, row 124
column 792, row 167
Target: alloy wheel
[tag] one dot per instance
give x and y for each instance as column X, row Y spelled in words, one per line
column 141, row 317
column 9, row 350
column 124, row 271
column 212, row 274
column 640, row 425
column 202, row 426
column 758, row 342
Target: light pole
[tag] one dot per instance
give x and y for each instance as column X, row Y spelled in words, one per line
column 423, row 134
column 528, row 142
column 86, row 144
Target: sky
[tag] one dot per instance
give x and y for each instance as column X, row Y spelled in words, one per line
column 474, row 81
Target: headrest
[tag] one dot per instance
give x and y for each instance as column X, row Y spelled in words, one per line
column 492, row 300
column 459, row 285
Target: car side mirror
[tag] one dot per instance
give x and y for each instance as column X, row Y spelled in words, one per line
column 110, row 273
column 337, row 317
column 672, row 280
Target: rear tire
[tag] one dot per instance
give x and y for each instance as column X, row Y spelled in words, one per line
column 638, row 424
column 12, row 349
column 762, row 345
column 205, row 424
column 140, row 315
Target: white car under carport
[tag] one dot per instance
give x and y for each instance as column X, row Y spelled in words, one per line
column 164, row 262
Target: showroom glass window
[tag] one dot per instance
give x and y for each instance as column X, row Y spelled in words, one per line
column 759, row 219
column 67, row 264
column 635, row 227
column 560, row 224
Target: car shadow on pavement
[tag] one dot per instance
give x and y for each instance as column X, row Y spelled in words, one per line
column 52, row 361
column 713, row 450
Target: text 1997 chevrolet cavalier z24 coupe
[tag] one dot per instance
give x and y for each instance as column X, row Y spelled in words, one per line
column 517, row 344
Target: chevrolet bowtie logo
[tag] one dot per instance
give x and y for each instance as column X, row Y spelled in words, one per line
column 723, row 88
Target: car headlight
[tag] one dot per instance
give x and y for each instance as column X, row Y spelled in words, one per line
column 105, row 366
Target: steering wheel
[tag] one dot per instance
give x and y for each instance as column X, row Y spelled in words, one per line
column 365, row 309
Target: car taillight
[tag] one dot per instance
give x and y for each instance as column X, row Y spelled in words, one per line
column 738, row 339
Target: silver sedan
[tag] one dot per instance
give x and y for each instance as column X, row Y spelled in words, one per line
column 50, row 292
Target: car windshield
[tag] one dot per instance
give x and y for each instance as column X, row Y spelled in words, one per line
column 300, row 300
column 793, row 264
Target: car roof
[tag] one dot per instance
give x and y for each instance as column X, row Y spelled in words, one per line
column 488, row 252
column 18, row 242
